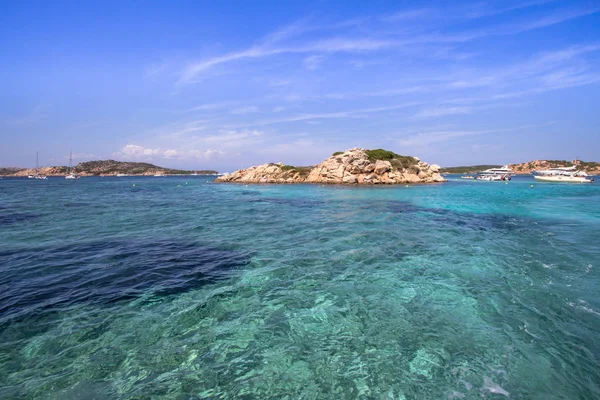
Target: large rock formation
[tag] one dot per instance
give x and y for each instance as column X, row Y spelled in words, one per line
column 356, row 166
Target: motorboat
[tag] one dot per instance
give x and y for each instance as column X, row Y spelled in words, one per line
column 490, row 178
column 505, row 170
column 563, row 174
column 495, row 174
column 467, row 177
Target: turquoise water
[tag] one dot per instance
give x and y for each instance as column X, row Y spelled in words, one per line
column 179, row 288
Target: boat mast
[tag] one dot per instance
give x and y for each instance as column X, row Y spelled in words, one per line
column 37, row 162
column 70, row 160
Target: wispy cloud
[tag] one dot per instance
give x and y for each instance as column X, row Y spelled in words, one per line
column 333, row 45
column 313, row 62
column 486, row 10
column 407, row 15
column 442, row 111
column 245, row 110
column 355, row 113
column 431, row 137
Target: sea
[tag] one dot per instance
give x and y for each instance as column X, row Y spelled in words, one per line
column 182, row 288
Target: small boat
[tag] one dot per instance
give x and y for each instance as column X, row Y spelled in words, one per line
column 70, row 174
column 563, row 174
column 158, row 174
column 122, row 175
column 467, row 177
column 37, row 168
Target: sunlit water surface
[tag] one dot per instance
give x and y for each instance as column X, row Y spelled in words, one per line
column 179, row 288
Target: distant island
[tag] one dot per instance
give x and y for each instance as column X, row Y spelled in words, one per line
column 467, row 169
column 104, row 168
column 355, row 166
column 592, row 168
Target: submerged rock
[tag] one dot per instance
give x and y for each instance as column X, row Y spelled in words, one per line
column 355, row 166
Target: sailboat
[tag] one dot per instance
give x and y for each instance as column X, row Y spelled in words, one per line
column 70, row 174
column 37, row 167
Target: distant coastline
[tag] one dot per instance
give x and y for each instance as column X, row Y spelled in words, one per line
column 104, row 168
column 592, row 168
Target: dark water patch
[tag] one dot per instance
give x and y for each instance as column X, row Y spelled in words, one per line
column 17, row 218
column 76, row 205
column 50, row 278
column 466, row 220
column 294, row 202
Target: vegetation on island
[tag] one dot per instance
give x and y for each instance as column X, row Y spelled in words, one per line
column 302, row 171
column 399, row 162
column 112, row 167
column 467, row 169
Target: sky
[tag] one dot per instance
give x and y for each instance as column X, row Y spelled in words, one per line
column 225, row 85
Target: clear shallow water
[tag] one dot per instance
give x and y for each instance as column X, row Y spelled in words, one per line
column 190, row 291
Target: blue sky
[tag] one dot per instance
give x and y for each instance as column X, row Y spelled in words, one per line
column 199, row 85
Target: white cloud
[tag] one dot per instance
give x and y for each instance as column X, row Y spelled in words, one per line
column 204, row 154
column 139, row 152
column 278, row 109
column 136, row 152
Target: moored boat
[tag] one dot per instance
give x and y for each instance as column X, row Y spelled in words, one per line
column 37, row 168
column 70, row 174
column 563, row 174
column 495, row 174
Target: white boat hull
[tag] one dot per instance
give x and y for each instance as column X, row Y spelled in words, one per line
column 562, row 178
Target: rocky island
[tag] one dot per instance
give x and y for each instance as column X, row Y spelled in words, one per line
column 355, row 166
column 103, row 168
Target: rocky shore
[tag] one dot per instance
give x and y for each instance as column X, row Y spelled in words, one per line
column 355, row 166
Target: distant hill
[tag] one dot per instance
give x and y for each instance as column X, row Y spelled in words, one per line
column 105, row 168
column 467, row 169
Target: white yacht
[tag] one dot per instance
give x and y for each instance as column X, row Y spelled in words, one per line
column 563, row 174
column 70, row 174
column 495, row 174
